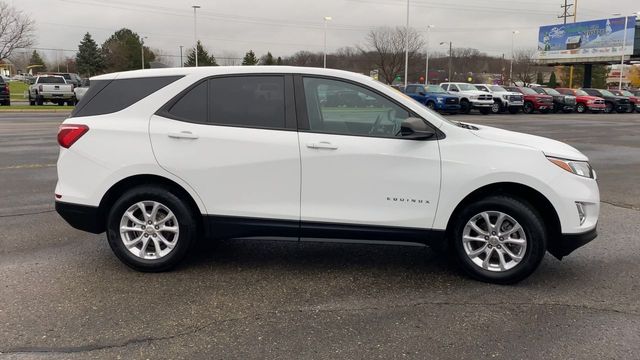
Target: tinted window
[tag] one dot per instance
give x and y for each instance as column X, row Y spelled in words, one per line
column 411, row 89
column 50, row 80
column 344, row 108
column 116, row 95
column 255, row 101
column 193, row 105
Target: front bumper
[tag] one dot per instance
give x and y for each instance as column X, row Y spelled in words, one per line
column 447, row 107
column 567, row 243
column 479, row 104
column 82, row 217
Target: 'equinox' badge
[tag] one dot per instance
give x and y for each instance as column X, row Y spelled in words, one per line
column 407, row 200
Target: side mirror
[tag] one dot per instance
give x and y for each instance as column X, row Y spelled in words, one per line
column 416, row 129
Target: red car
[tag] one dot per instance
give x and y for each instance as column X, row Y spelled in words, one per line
column 635, row 100
column 532, row 100
column 584, row 101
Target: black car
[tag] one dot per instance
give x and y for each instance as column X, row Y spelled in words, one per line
column 620, row 104
column 561, row 102
column 5, row 95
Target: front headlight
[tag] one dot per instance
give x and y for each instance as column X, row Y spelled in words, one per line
column 506, row 97
column 474, row 97
column 580, row 168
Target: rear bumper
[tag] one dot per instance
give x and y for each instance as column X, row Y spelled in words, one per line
column 82, row 217
column 567, row 243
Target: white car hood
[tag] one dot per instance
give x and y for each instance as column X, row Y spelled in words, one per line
column 548, row 146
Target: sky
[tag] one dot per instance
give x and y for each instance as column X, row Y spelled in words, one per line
column 229, row 28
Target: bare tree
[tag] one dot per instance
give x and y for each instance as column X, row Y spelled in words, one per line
column 389, row 45
column 524, row 66
column 16, row 30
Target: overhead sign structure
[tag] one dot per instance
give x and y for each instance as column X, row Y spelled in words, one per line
column 587, row 39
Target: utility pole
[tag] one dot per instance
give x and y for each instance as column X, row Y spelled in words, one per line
column 426, row 72
column 181, row 63
column 564, row 16
column 406, row 49
column 195, row 31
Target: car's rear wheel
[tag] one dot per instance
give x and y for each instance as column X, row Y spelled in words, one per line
column 150, row 229
column 499, row 239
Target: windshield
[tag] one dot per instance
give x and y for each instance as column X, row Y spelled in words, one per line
column 497, row 88
column 626, row 93
column 581, row 93
column 435, row 89
column 528, row 91
column 606, row 93
column 51, row 80
column 466, row 87
column 552, row 91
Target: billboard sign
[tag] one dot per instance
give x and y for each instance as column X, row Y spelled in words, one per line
column 586, row 39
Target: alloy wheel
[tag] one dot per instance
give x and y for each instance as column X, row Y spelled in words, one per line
column 149, row 230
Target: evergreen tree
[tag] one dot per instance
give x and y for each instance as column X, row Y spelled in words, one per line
column 89, row 59
column 122, row 51
column 553, row 82
column 204, row 59
column 250, row 58
column 279, row 61
column 539, row 79
column 36, row 59
column 267, row 59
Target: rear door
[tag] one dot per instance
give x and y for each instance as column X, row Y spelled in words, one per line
column 233, row 139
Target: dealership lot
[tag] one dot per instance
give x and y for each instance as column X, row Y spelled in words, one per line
column 64, row 295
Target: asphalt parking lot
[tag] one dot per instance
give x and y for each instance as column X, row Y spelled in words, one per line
column 63, row 295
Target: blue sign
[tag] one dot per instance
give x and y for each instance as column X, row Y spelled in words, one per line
column 587, row 39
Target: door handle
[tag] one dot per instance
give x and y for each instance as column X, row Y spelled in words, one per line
column 322, row 145
column 182, row 135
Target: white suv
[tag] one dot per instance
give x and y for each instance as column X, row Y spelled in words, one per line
column 470, row 97
column 161, row 158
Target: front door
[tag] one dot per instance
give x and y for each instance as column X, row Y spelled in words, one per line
column 356, row 168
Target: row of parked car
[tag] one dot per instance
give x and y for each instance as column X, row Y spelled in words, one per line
column 453, row 98
column 56, row 88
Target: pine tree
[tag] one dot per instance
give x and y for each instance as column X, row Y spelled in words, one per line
column 553, row 82
column 267, row 59
column 250, row 58
column 204, row 59
column 279, row 61
column 89, row 59
column 36, row 59
column 539, row 79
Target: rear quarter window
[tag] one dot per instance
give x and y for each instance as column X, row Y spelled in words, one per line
column 109, row 96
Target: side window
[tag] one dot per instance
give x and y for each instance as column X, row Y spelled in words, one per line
column 420, row 89
column 252, row 101
column 445, row 87
column 453, row 87
column 339, row 107
column 192, row 106
column 411, row 89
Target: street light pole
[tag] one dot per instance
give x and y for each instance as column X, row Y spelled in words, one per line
column 450, row 56
column 142, row 49
column 406, row 49
column 181, row 63
column 426, row 72
column 195, row 31
column 326, row 20
column 513, row 35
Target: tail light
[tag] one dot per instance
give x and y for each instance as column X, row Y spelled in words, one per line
column 68, row 134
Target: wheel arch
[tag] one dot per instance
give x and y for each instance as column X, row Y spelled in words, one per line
column 523, row 192
column 120, row 187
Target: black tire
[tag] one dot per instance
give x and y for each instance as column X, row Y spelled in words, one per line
column 514, row 110
column 7, row 103
column 465, row 106
column 186, row 224
column 60, row 103
column 581, row 108
column 608, row 108
column 485, row 111
column 531, row 223
column 496, row 108
column 528, row 107
column 431, row 105
column 39, row 101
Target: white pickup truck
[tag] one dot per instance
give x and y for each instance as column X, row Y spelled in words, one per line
column 470, row 97
column 503, row 99
column 51, row 88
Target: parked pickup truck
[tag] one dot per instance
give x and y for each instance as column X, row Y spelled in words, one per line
column 561, row 102
column 584, row 101
column 434, row 97
column 470, row 97
column 503, row 100
column 533, row 101
column 51, row 88
column 612, row 103
column 635, row 99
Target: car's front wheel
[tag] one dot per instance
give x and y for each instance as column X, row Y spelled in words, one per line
column 581, row 108
column 499, row 239
column 150, row 229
